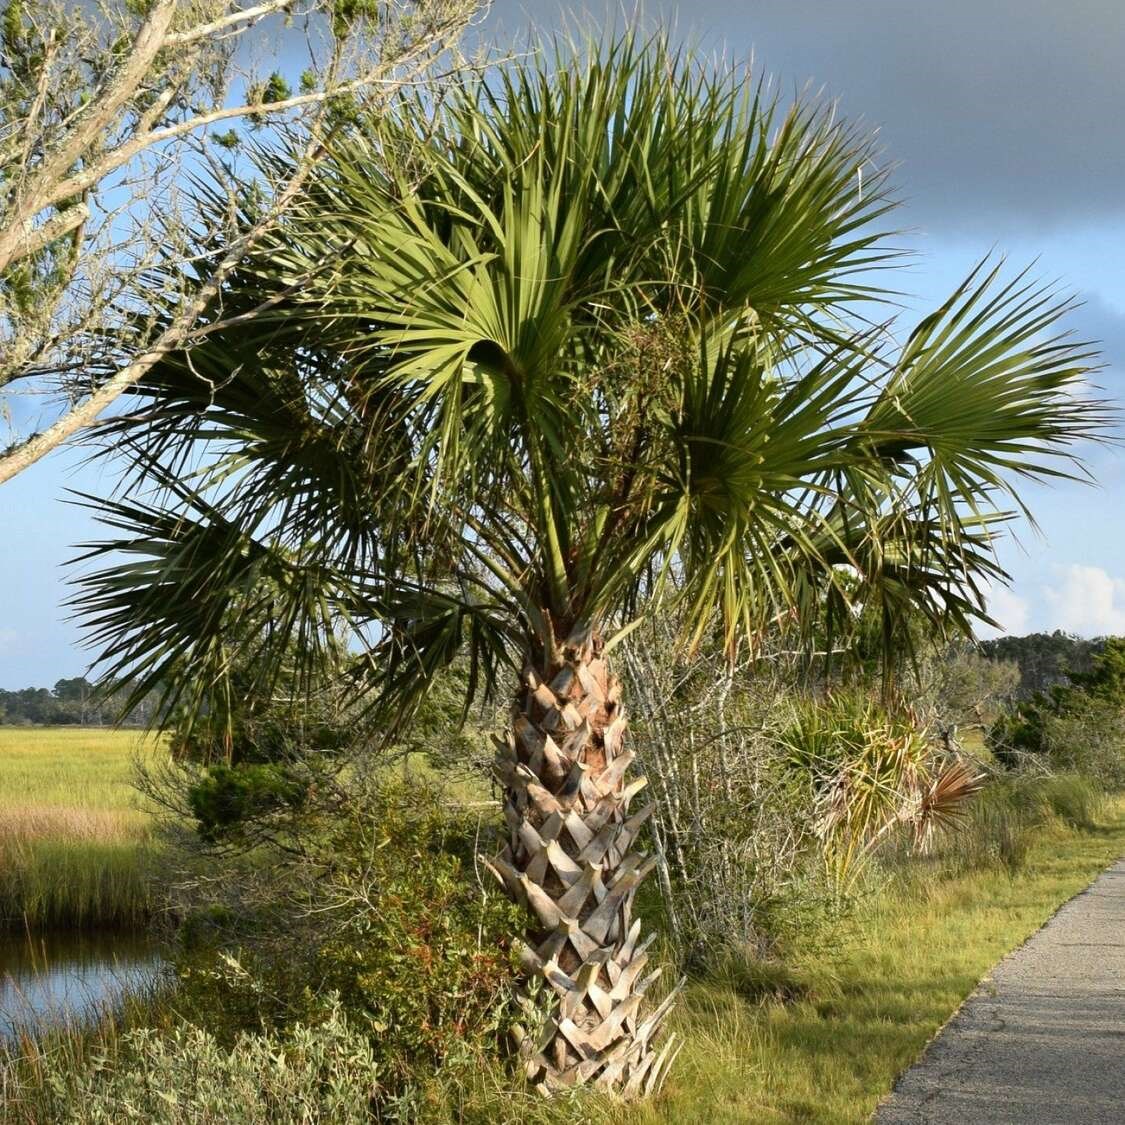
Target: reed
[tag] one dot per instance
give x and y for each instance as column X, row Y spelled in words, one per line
column 75, row 840
column 36, row 1061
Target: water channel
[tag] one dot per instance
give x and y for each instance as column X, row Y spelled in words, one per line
column 68, row 977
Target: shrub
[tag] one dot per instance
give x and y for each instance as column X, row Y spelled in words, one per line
column 1089, row 739
column 868, row 771
column 959, row 687
column 730, row 829
column 766, row 799
column 1018, row 733
column 323, row 1072
column 1077, row 727
column 371, row 900
column 227, row 798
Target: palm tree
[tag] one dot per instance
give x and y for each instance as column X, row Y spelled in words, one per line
column 587, row 335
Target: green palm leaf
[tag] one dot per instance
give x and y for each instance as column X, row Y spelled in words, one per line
column 573, row 339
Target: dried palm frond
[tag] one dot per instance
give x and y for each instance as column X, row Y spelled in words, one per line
column 944, row 803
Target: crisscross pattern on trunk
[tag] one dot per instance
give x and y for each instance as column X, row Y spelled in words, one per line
column 570, row 860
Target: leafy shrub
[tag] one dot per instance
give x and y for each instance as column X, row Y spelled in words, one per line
column 323, row 1072
column 227, row 798
column 1090, row 740
column 370, row 900
column 870, row 771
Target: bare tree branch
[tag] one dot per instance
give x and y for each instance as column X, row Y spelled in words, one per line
column 122, row 155
column 97, row 145
column 26, row 239
column 242, row 17
column 26, row 453
column 41, row 192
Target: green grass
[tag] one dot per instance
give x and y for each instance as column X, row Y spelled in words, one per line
column 919, row 948
column 73, row 836
column 972, row 741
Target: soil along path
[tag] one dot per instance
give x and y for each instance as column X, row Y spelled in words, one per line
column 1042, row 1039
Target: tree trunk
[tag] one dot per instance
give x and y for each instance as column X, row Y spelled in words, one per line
column 569, row 860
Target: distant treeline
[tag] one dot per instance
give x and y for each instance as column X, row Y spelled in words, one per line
column 1045, row 659
column 70, row 702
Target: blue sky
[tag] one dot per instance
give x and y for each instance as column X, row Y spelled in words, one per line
column 1005, row 118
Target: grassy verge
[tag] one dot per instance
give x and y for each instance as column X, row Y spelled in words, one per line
column 72, row 835
column 918, row 949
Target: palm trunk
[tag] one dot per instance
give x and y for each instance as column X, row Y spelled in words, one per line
column 569, row 860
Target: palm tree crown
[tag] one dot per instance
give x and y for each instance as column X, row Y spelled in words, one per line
column 580, row 332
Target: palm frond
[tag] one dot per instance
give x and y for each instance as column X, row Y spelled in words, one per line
column 944, row 803
column 583, row 333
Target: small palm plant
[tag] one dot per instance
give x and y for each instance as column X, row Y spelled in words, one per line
column 870, row 772
column 582, row 336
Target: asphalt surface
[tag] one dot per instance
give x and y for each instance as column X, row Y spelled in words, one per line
column 1042, row 1039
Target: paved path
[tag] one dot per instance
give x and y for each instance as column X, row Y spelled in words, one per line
column 1042, row 1040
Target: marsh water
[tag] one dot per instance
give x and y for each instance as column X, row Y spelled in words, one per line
column 69, row 977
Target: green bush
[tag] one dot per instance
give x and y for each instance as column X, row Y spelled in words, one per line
column 378, row 908
column 324, row 1072
column 227, row 798
column 1089, row 740
column 862, row 765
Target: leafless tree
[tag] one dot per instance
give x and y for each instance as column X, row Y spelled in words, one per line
column 107, row 110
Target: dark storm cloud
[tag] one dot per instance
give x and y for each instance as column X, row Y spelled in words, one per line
column 1006, row 115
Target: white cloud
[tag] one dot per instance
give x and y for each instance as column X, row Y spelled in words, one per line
column 1088, row 600
column 8, row 638
column 1008, row 610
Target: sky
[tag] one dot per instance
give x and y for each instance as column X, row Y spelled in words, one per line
column 1004, row 121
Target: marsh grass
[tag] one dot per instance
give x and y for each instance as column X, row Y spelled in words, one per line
column 75, row 841
column 38, row 1060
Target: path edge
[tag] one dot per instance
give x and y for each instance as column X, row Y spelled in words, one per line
column 980, row 983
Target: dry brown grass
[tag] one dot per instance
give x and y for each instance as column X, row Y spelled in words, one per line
column 42, row 822
column 73, row 835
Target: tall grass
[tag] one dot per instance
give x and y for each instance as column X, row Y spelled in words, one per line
column 1010, row 814
column 40, row 1059
column 74, row 839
